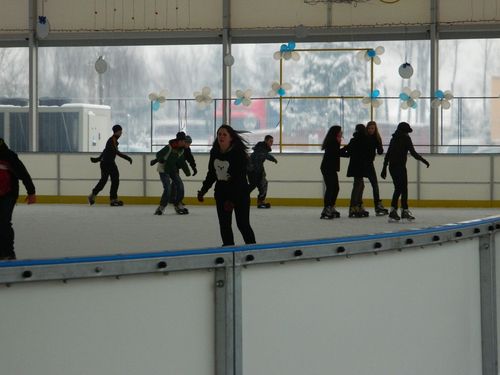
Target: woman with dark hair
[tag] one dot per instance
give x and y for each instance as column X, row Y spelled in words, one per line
column 330, row 165
column 374, row 142
column 227, row 168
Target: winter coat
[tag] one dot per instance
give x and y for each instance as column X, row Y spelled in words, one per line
column 261, row 153
column 374, row 146
column 229, row 172
column 399, row 147
column 10, row 160
column 331, row 158
column 171, row 159
column 359, row 156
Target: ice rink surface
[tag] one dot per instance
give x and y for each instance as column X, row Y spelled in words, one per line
column 49, row 230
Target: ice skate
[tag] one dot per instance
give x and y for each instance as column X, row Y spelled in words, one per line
column 362, row 212
column 327, row 213
column 335, row 213
column 406, row 215
column 91, row 198
column 180, row 209
column 393, row 216
column 116, row 203
column 380, row 210
column 354, row 212
column 263, row 204
column 159, row 210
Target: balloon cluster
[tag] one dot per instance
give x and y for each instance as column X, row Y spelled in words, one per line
column 203, row 98
column 372, row 100
column 278, row 89
column 287, row 52
column 442, row 99
column 371, row 54
column 243, row 97
column 408, row 98
column 157, row 99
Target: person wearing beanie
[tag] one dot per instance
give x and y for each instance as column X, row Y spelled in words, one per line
column 375, row 147
column 170, row 159
column 109, row 168
column 11, row 171
column 188, row 156
column 396, row 158
column 257, row 173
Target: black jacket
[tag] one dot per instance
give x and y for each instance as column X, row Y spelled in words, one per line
column 229, row 172
column 188, row 156
column 399, row 147
column 359, row 156
column 261, row 153
column 331, row 158
column 17, row 169
column 374, row 146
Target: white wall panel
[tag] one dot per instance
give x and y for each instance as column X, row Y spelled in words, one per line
column 136, row 325
column 42, row 187
column 446, row 168
column 40, row 165
column 467, row 10
column 289, row 13
column 496, row 169
column 455, row 191
column 118, row 15
column 84, row 187
column 420, row 309
column 13, row 15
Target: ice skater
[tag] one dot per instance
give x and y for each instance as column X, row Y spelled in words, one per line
column 374, row 142
column 330, row 165
column 188, row 156
column 227, row 168
column 257, row 173
column 358, row 153
column 396, row 157
column 109, row 168
column 170, row 159
column 11, row 171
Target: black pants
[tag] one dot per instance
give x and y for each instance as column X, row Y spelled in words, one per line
column 258, row 180
column 7, row 204
column 108, row 169
column 242, row 213
column 400, row 181
column 357, row 192
column 372, row 177
column 332, row 188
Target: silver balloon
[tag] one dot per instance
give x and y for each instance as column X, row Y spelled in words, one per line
column 101, row 65
column 406, row 70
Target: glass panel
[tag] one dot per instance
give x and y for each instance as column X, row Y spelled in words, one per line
column 69, row 75
column 470, row 69
column 58, row 131
column 19, row 140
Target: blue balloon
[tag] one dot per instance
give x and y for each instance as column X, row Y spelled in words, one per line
column 414, row 105
column 439, row 94
column 281, row 91
column 291, row 45
column 238, row 101
column 371, row 53
column 375, row 93
column 283, row 48
column 403, row 96
column 156, row 105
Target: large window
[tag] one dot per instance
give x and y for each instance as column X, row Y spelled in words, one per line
column 471, row 70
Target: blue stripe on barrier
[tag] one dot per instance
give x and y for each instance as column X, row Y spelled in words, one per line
column 255, row 247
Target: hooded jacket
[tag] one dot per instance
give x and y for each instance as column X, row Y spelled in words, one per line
column 261, row 153
column 17, row 169
column 399, row 147
column 171, row 159
column 359, row 155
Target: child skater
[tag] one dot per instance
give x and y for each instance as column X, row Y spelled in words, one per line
column 396, row 157
column 374, row 142
column 109, row 168
column 330, row 165
column 257, row 174
column 227, row 167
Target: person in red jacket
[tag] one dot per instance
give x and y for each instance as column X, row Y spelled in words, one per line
column 11, row 171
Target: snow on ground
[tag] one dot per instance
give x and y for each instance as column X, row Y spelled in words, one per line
column 48, row 230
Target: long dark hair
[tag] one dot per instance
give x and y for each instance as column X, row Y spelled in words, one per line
column 238, row 142
column 331, row 136
column 377, row 134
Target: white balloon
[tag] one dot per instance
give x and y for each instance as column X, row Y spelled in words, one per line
column 277, row 55
column 246, row 102
column 377, row 60
column 161, row 99
column 448, row 95
column 361, row 55
column 407, row 91
column 287, row 55
column 404, row 105
column 376, row 103
column 199, row 98
column 380, row 50
column 152, row 97
column 410, row 102
column 101, row 65
column 435, row 103
column 287, row 86
column 275, row 86
column 295, row 56
column 205, row 90
column 366, row 100
column 247, row 93
column 415, row 94
column 446, row 104
column 239, row 93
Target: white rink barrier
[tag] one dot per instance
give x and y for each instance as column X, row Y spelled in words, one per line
column 423, row 301
column 296, row 176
